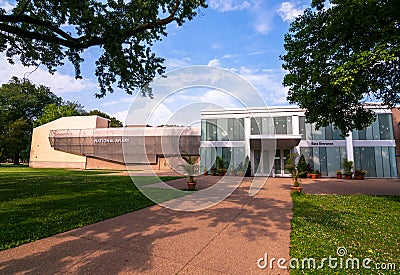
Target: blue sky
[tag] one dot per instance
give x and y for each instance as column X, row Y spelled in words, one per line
column 243, row 36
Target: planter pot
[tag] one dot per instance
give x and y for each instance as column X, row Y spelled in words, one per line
column 308, row 175
column 360, row 176
column 296, row 189
column 319, row 175
column 314, row 176
column 205, row 173
column 221, row 173
column 347, row 177
column 339, row 176
column 191, row 185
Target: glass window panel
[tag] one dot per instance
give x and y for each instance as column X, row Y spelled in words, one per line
column 289, row 125
column 257, row 158
column 355, row 135
column 393, row 166
column 318, row 134
column 385, row 162
column 362, row 135
column 385, row 126
column 286, row 155
column 267, row 126
column 357, row 157
column 309, row 135
column 302, row 127
column 368, row 161
column 328, row 132
column 255, row 126
column 222, row 129
column 369, row 133
column 239, row 129
column 323, row 161
column 280, row 125
column 336, row 133
column 375, row 130
column 333, row 160
column 277, row 162
column 203, row 129
column 378, row 161
column 316, row 158
column 267, row 165
column 307, row 152
column 211, row 130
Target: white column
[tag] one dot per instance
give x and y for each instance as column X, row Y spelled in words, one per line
column 349, row 147
column 247, row 131
column 295, row 125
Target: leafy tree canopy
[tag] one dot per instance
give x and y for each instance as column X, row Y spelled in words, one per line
column 55, row 111
column 21, row 103
column 48, row 32
column 342, row 55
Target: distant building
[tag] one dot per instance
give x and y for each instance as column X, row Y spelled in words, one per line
column 266, row 135
column 87, row 142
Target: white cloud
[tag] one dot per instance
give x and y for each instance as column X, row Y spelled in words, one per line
column 214, row 63
column 288, row 11
column 6, row 5
column 268, row 83
column 59, row 83
column 173, row 63
column 229, row 5
column 160, row 115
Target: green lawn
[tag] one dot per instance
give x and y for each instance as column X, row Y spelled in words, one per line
column 366, row 226
column 36, row 203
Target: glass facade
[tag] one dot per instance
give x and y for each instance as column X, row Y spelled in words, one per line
column 271, row 125
column 380, row 129
column 233, row 156
column 324, row 159
column 309, row 132
column 326, row 154
column 222, row 129
column 379, row 161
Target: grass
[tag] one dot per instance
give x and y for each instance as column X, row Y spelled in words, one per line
column 366, row 226
column 36, row 203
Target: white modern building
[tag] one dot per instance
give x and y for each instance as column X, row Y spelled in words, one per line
column 268, row 135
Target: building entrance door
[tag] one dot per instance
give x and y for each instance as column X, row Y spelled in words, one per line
column 280, row 160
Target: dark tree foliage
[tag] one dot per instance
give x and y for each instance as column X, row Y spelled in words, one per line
column 48, row 32
column 341, row 56
column 21, row 103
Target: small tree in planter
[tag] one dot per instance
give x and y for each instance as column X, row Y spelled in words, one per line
column 302, row 166
column 191, row 168
column 309, row 170
column 347, row 166
column 240, row 169
column 338, row 174
column 314, row 174
column 292, row 168
column 221, row 165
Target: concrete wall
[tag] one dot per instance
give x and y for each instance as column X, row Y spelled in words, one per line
column 44, row 156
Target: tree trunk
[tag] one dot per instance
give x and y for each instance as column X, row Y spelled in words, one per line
column 16, row 157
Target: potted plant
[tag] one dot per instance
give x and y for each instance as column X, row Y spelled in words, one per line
column 338, row 174
column 213, row 171
column 314, row 174
column 292, row 168
column 347, row 166
column 221, row 164
column 205, row 171
column 302, row 166
column 191, row 168
column 309, row 170
column 360, row 174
